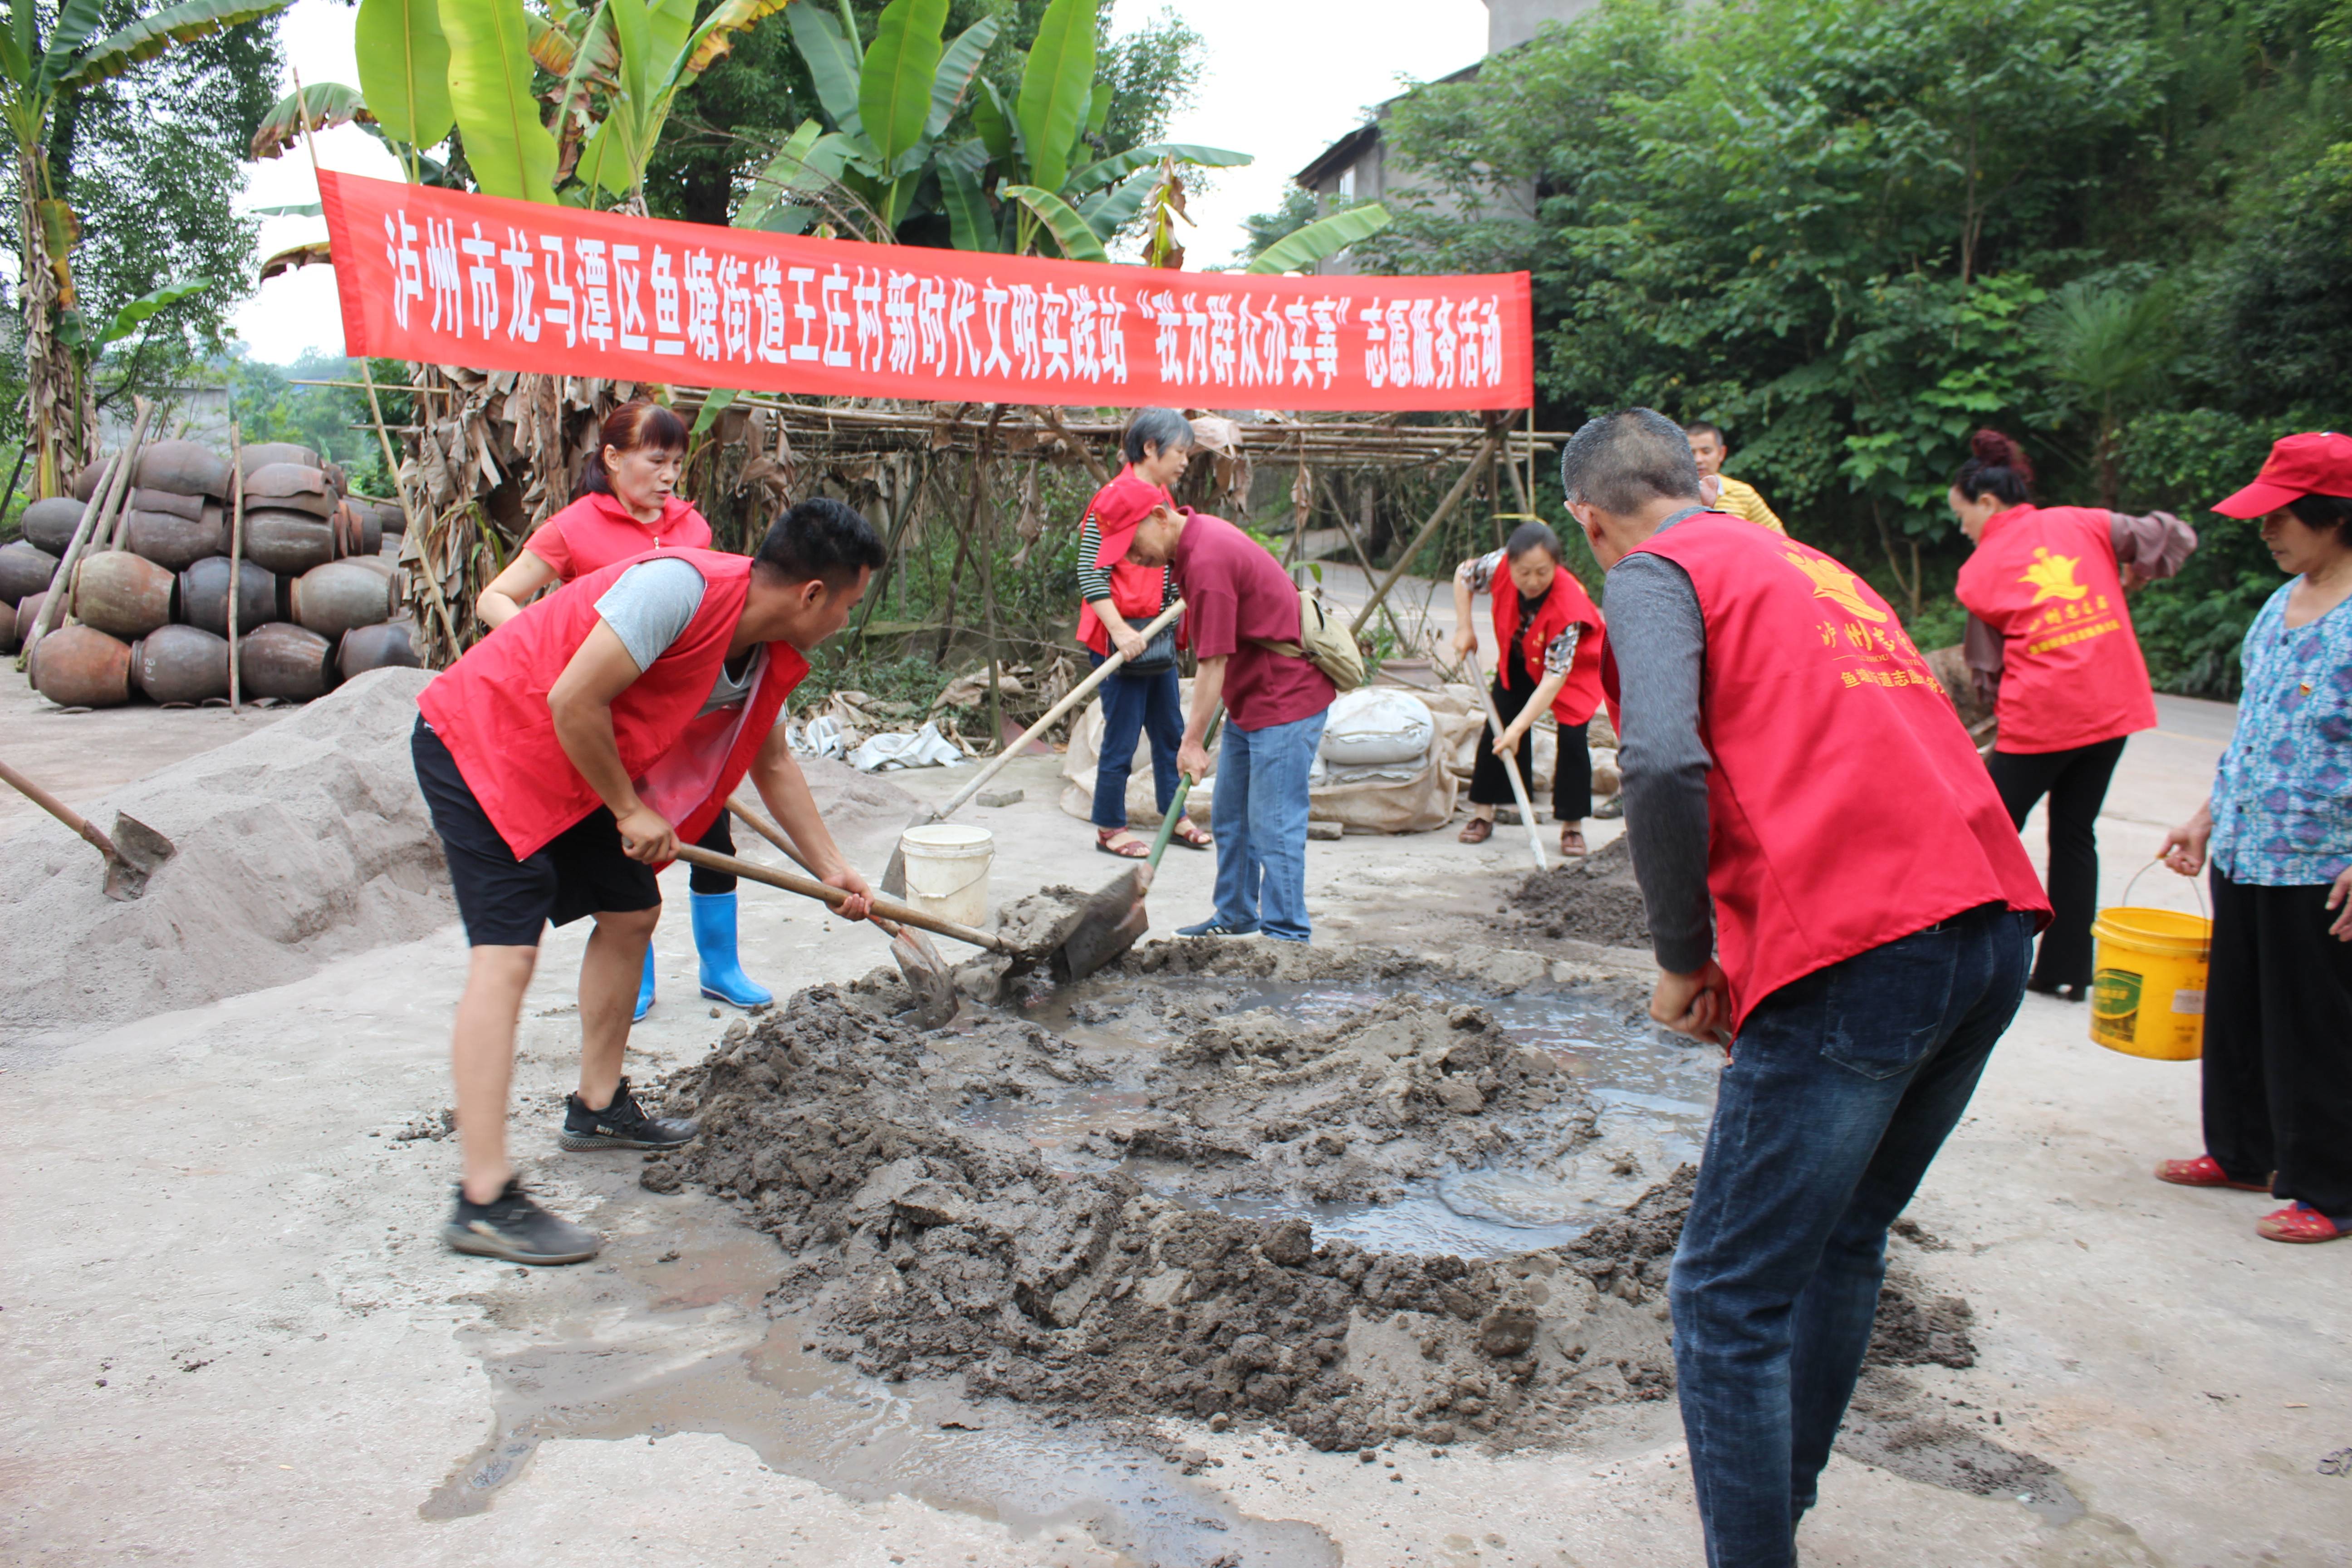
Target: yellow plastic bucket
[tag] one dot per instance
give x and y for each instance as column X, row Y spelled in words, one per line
column 2147, row 991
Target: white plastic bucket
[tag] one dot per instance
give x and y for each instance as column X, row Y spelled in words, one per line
column 946, row 870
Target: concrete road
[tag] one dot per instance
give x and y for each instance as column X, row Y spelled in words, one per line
column 231, row 1336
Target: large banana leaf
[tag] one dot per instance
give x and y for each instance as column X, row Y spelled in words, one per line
column 76, row 21
column 668, row 23
column 833, row 67
column 404, row 69
column 151, row 36
column 330, row 103
column 811, row 160
column 489, row 88
column 1058, row 87
column 1069, row 230
column 958, row 66
column 1107, row 211
column 715, row 36
column 1119, row 165
column 970, row 224
column 894, row 88
column 129, row 319
column 556, row 50
column 25, row 58
column 1322, row 238
column 995, row 124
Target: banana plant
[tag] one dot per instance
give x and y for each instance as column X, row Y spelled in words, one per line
column 35, row 72
column 879, row 155
column 429, row 67
column 1301, row 248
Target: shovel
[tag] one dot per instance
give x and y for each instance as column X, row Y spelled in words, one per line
column 131, row 854
column 919, row 961
column 894, row 875
column 1510, row 764
column 1115, row 918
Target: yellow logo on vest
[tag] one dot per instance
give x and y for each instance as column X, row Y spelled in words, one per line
column 1834, row 582
column 2052, row 576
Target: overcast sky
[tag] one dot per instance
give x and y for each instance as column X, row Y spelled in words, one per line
column 1284, row 78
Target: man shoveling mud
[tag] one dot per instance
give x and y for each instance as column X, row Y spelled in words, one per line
column 1786, row 751
column 564, row 758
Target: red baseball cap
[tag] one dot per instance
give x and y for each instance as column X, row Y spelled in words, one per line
column 2315, row 463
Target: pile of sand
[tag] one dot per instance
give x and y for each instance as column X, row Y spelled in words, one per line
column 927, row 1240
column 1593, row 900
column 297, row 843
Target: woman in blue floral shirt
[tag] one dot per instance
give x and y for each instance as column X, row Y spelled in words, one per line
column 2278, row 830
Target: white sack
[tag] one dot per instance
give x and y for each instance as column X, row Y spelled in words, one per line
column 1377, row 726
column 926, row 748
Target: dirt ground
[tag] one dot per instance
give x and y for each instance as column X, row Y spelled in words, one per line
column 260, row 1180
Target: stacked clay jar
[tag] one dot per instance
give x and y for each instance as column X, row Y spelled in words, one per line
column 314, row 583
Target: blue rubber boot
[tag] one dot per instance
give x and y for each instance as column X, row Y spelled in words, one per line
column 723, row 979
column 644, row 989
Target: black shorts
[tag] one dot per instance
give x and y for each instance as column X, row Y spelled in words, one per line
column 507, row 903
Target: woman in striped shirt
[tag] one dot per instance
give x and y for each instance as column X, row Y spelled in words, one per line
column 1121, row 598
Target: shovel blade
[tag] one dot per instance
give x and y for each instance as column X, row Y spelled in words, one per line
column 1114, row 921
column 138, row 850
column 927, row 975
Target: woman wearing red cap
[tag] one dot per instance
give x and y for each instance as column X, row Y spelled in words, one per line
column 2049, row 630
column 2278, row 832
column 629, row 507
column 1119, row 598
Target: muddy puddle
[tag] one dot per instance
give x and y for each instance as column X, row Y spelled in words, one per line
column 1649, row 1093
column 1355, row 1197
column 670, row 1332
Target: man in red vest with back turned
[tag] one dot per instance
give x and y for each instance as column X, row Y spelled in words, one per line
column 1872, row 922
column 564, row 758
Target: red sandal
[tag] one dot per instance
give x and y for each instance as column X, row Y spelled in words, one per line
column 1188, row 833
column 2204, row 1172
column 2298, row 1222
column 1133, row 850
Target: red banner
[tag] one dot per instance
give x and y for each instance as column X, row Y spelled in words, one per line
column 448, row 277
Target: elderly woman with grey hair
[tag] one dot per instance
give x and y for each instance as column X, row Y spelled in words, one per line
column 1119, row 597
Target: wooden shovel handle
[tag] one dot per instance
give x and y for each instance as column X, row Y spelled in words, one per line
column 810, row 888
column 59, row 810
column 769, row 831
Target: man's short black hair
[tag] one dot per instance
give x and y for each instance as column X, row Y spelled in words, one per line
column 1621, row 461
column 1708, row 427
column 823, row 539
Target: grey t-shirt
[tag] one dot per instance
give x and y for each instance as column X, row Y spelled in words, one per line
column 650, row 607
column 1659, row 638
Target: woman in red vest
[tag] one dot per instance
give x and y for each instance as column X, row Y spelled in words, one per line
column 629, row 506
column 563, row 758
column 2048, row 627
column 1118, row 598
column 1544, row 622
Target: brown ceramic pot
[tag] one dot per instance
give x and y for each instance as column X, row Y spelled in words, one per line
column 121, row 593
column 203, row 596
column 24, row 569
column 288, row 541
column 180, row 664
column 332, row 599
column 183, row 467
column 81, row 666
column 176, row 542
column 283, row 660
column 50, row 523
column 292, row 488
column 376, row 647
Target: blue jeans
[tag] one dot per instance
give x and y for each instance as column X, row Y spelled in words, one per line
column 1132, row 704
column 1842, row 1088
column 1259, row 817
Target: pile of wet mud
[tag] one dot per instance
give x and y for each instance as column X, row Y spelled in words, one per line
column 1593, row 900
column 1118, row 1271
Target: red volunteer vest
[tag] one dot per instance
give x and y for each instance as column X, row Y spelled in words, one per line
column 1567, row 605
column 596, row 531
column 490, row 707
column 1846, row 808
column 2072, row 674
column 1135, row 591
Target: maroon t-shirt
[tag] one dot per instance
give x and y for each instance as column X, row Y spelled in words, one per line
column 1235, row 591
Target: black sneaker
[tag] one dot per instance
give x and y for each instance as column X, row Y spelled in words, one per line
column 513, row 1227
column 622, row 1125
